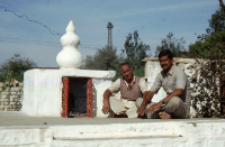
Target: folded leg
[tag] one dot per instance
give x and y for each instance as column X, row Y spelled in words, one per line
column 148, row 115
column 116, row 105
column 177, row 108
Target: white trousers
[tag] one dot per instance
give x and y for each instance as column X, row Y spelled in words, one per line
column 119, row 106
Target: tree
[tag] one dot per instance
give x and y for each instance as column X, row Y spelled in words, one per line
column 104, row 59
column 15, row 67
column 214, row 37
column 135, row 50
column 209, row 46
column 222, row 5
column 173, row 44
column 217, row 21
column 210, row 83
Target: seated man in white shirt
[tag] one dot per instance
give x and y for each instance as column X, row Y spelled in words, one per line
column 131, row 88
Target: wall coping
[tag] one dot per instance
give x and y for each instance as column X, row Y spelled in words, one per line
column 180, row 60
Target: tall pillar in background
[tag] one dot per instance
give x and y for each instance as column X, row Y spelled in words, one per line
column 109, row 26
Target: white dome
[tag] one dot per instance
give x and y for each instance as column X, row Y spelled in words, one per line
column 69, row 56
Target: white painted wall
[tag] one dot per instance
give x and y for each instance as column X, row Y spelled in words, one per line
column 43, row 90
column 152, row 68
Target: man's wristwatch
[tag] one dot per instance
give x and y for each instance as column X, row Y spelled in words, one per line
column 162, row 102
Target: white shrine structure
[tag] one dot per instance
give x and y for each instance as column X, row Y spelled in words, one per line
column 43, row 87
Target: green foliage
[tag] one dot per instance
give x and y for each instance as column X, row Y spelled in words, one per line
column 15, row 67
column 140, row 72
column 217, row 21
column 173, row 44
column 214, row 35
column 104, row 59
column 209, row 47
column 135, row 50
column 107, row 59
column 2, row 77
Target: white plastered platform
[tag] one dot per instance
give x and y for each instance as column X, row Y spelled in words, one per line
column 18, row 129
column 43, row 90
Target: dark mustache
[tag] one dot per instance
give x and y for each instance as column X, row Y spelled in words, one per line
column 164, row 65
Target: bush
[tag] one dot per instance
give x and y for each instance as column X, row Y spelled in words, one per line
column 15, row 68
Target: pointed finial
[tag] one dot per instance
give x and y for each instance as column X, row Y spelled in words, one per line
column 70, row 38
column 70, row 27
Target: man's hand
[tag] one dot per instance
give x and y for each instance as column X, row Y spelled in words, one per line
column 147, row 96
column 153, row 107
column 105, row 108
column 141, row 111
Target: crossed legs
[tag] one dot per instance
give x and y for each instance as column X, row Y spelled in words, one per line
column 175, row 108
column 121, row 106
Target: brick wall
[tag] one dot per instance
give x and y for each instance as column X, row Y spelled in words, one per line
column 11, row 97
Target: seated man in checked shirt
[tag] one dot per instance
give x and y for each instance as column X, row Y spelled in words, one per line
column 175, row 83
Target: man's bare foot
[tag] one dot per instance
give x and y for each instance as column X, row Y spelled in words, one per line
column 164, row 115
column 120, row 115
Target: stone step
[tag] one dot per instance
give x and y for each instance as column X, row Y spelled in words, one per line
column 25, row 136
column 44, row 137
column 166, row 141
column 145, row 129
column 18, row 129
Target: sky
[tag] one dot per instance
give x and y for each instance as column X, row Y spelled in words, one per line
column 33, row 28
